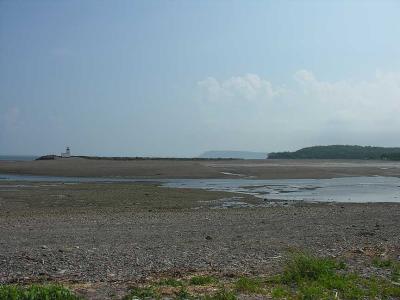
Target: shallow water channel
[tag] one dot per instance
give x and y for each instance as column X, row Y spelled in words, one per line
column 346, row 189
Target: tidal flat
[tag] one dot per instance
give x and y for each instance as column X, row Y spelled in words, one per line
column 206, row 169
column 103, row 239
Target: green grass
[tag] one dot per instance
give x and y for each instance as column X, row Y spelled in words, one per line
column 280, row 292
column 382, row 263
column 396, row 273
column 393, row 265
column 171, row 282
column 302, row 267
column 142, row 293
column 221, row 295
column 182, row 294
column 308, row 277
column 248, row 285
column 304, row 277
column 36, row 292
column 202, row 280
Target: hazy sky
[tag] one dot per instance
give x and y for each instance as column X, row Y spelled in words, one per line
column 176, row 78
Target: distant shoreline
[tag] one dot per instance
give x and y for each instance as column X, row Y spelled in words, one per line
column 18, row 157
column 54, row 157
column 202, row 168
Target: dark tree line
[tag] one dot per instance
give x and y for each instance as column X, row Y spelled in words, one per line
column 391, row 156
column 339, row 152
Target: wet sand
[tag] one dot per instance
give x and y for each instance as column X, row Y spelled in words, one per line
column 158, row 169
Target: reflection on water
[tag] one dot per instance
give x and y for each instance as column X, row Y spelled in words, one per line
column 347, row 189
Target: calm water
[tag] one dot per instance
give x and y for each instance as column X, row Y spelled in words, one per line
column 347, row 189
column 18, row 157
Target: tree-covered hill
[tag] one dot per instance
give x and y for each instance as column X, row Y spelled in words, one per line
column 338, row 152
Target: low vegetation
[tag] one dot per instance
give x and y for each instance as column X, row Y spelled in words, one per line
column 143, row 293
column 321, row 278
column 248, row 285
column 390, row 265
column 221, row 295
column 304, row 277
column 170, row 282
column 36, row 292
column 202, row 280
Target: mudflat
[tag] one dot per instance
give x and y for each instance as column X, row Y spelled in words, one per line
column 158, row 169
column 100, row 238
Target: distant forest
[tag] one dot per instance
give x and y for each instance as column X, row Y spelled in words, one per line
column 340, row 152
column 391, row 156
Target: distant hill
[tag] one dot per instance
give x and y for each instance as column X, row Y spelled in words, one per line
column 234, row 154
column 337, row 152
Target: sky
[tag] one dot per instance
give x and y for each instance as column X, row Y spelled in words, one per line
column 176, row 78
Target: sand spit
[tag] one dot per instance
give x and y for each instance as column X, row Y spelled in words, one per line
column 159, row 169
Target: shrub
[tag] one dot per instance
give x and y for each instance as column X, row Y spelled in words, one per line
column 307, row 267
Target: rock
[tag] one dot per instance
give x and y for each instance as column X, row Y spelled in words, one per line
column 47, row 157
column 208, row 237
column 366, row 233
column 44, row 247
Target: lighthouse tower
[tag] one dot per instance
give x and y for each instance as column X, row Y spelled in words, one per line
column 67, row 153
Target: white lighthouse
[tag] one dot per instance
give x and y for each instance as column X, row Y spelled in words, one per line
column 67, row 153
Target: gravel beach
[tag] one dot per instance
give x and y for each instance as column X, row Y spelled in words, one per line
column 99, row 238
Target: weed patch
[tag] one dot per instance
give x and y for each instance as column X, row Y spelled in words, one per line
column 394, row 267
column 304, row 277
column 142, row 293
column 311, row 277
column 248, row 285
column 170, row 282
column 302, row 267
column 222, row 295
column 36, row 292
column 382, row 263
column 202, row 280
column 183, row 294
